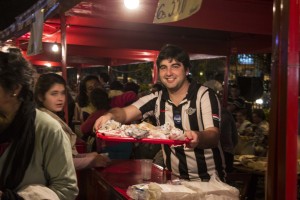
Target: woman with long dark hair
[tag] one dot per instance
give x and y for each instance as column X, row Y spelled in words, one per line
column 83, row 104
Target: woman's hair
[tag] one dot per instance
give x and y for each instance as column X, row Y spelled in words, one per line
column 16, row 70
column 170, row 52
column 82, row 98
column 44, row 83
column 99, row 99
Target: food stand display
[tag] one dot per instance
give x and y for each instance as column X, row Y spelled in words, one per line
column 112, row 182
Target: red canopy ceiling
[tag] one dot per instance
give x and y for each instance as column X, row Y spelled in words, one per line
column 104, row 32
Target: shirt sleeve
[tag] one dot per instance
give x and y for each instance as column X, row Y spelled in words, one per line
column 210, row 109
column 146, row 103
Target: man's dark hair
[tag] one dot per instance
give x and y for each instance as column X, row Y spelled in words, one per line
column 171, row 51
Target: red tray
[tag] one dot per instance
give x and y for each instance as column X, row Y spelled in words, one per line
column 144, row 140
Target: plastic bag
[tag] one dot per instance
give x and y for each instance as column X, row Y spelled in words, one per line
column 138, row 192
column 214, row 189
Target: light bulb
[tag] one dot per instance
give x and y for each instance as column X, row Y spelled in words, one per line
column 131, row 4
column 55, row 47
column 259, row 101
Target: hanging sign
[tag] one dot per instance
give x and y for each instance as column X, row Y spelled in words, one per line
column 175, row 10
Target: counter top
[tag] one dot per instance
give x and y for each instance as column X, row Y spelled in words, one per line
column 112, row 181
column 123, row 173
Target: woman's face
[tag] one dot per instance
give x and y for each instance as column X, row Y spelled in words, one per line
column 8, row 107
column 55, row 97
column 5, row 100
column 90, row 85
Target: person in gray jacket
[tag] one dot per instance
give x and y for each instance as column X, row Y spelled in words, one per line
column 35, row 153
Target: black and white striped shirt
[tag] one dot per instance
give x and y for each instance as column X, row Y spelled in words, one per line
column 200, row 109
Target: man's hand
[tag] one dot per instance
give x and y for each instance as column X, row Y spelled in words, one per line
column 209, row 138
column 102, row 120
column 193, row 136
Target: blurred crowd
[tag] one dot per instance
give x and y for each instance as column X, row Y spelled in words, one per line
column 25, row 128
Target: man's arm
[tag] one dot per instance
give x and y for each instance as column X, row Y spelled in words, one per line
column 209, row 138
column 122, row 115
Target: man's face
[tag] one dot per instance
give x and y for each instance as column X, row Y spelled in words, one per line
column 172, row 74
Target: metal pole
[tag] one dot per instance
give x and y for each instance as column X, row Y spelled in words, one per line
column 64, row 57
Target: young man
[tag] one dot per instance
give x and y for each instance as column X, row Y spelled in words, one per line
column 186, row 105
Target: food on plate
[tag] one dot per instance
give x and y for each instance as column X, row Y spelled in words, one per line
column 110, row 125
column 167, row 131
column 111, row 128
column 134, row 131
column 142, row 130
column 145, row 126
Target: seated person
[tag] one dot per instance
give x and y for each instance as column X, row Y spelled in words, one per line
column 245, row 143
column 261, row 132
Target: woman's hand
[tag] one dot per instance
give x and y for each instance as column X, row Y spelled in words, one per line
column 101, row 160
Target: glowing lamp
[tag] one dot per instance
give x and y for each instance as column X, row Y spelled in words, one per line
column 131, row 4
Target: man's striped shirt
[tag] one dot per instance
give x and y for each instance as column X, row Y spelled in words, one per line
column 198, row 111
